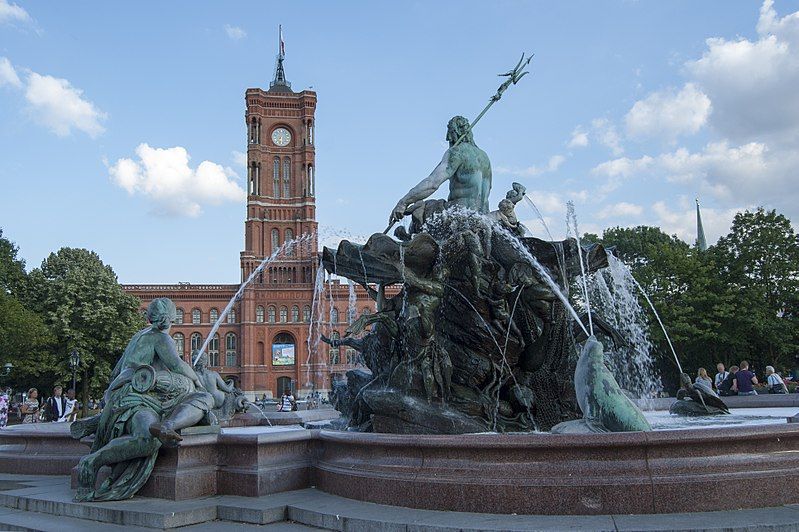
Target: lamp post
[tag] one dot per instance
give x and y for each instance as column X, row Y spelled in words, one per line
column 74, row 363
column 7, row 367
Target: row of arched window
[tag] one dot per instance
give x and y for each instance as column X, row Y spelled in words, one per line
column 196, row 316
column 351, row 314
column 281, row 181
column 196, row 341
column 271, row 314
column 289, row 236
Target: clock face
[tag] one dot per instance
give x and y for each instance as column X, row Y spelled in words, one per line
column 281, row 137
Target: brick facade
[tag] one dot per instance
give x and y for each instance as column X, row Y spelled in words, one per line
column 276, row 307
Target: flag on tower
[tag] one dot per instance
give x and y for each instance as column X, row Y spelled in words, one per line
column 282, row 44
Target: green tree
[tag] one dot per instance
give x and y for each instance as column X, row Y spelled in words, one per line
column 685, row 289
column 759, row 260
column 81, row 301
column 24, row 342
column 12, row 268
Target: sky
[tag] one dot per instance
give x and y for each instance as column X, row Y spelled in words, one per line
column 631, row 110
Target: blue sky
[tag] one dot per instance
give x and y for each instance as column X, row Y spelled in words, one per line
column 632, row 109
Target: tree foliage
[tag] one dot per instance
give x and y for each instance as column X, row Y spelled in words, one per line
column 736, row 301
column 83, row 305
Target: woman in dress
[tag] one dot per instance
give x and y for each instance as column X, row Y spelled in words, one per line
column 30, row 408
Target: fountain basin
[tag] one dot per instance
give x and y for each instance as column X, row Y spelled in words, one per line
column 616, row 473
column 656, row 472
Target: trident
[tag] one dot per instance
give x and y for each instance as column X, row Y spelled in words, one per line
column 513, row 76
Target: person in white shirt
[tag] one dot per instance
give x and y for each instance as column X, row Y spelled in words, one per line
column 720, row 376
column 286, row 403
column 71, row 411
column 775, row 382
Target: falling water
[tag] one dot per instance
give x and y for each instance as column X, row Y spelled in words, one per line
column 289, row 244
column 352, row 300
column 315, row 318
column 657, row 317
column 570, row 214
column 540, row 217
column 451, row 221
column 613, row 292
column 558, row 248
column 258, row 408
column 541, row 271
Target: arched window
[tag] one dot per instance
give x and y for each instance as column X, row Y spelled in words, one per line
column 289, row 238
column 306, row 314
column 196, row 342
column 253, row 131
column 259, row 314
column 230, row 349
column 284, row 314
column 352, row 356
column 352, row 313
column 286, row 177
column 180, row 343
column 311, row 183
column 231, row 316
column 366, row 311
column 276, row 177
column 275, row 239
column 213, row 351
column 195, row 316
column 271, row 314
column 179, row 316
column 334, row 315
column 335, row 355
column 295, row 313
column 214, row 315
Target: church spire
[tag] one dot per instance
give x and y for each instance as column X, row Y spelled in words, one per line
column 280, row 74
column 701, row 243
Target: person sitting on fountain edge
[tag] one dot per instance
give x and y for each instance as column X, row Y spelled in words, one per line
column 720, row 375
column 725, row 388
column 465, row 166
column 744, row 380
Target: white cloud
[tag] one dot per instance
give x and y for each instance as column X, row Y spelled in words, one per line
column 750, row 173
column 13, row 13
column 8, row 76
column 682, row 221
column 234, row 32
column 605, row 132
column 753, row 83
column 239, row 158
column 58, row 105
column 668, row 113
column 579, row 138
column 623, row 167
column 176, row 189
column 621, row 209
column 552, row 165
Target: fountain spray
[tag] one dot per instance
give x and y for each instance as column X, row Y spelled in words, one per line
column 571, row 214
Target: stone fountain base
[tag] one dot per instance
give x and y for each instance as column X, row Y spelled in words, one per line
column 624, row 473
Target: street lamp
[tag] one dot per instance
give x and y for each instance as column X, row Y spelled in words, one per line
column 7, row 367
column 74, row 363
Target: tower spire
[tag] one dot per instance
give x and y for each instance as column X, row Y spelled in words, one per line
column 280, row 74
column 701, row 243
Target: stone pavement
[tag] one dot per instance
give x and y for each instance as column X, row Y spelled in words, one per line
column 45, row 503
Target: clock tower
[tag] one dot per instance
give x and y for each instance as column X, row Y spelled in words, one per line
column 280, row 207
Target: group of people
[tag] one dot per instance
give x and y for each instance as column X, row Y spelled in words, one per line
column 740, row 380
column 58, row 408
